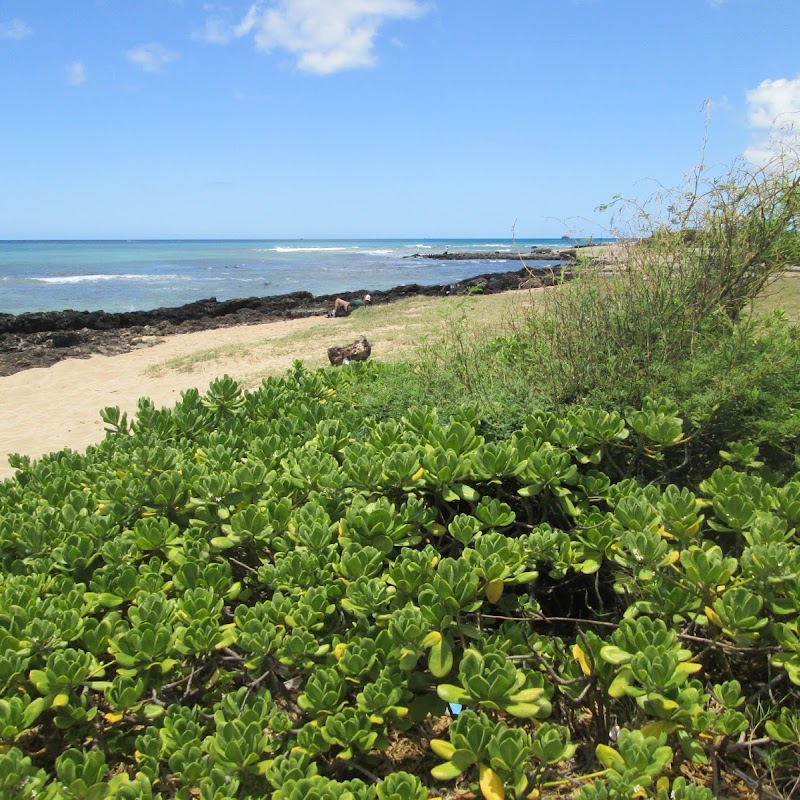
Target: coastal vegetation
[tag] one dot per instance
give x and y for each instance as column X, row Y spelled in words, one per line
column 396, row 329
column 561, row 561
column 674, row 315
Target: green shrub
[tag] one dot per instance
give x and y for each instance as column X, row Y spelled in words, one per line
column 669, row 318
column 256, row 595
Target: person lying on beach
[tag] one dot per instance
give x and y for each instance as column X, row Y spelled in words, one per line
column 342, row 308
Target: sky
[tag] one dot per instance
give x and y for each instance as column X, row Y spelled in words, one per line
column 374, row 118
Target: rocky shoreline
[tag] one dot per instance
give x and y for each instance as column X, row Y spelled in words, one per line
column 537, row 254
column 41, row 339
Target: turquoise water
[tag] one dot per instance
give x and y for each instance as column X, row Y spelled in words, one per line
column 142, row 275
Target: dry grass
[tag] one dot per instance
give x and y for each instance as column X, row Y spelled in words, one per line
column 784, row 294
column 393, row 331
column 396, row 330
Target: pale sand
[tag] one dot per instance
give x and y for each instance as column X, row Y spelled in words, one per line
column 44, row 410
column 49, row 409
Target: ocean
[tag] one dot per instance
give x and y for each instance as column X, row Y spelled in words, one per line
column 147, row 274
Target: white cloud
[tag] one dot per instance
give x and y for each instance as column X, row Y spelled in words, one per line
column 76, row 73
column 774, row 103
column 774, row 114
column 216, row 31
column 151, row 57
column 16, row 29
column 324, row 35
column 219, row 31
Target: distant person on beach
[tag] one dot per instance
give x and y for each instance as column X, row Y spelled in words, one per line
column 342, row 308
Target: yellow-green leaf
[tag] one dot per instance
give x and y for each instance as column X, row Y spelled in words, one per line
column 659, row 726
column 615, row 655
column 442, row 748
column 494, row 590
column 619, row 685
column 440, row 658
column 713, row 616
column 491, row 786
column 445, row 772
column 580, row 657
column 609, row 757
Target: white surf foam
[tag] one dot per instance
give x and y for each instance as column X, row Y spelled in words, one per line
column 90, row 278
column 304, row 249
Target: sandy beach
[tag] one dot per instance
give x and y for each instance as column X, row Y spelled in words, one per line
column 45, row 410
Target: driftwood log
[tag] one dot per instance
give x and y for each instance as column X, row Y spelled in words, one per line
column 359, row 350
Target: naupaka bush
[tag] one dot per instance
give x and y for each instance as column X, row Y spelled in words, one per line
column 255, row 595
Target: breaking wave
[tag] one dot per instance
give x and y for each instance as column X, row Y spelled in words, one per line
column 90, row 278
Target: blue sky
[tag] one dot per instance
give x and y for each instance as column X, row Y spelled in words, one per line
column 373, row 118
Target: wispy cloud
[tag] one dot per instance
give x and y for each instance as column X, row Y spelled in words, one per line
column 718, row 103
column 151, row 57
column 324, row 36
column 15, row 29
column 773, row 111
column 218, row 30
column 76, row 73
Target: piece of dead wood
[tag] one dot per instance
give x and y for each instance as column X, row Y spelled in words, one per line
column 359, row 350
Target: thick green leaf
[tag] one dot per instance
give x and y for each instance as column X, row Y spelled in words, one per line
column 614, row 655
column 610, row 758
column 440, row 658
column 530, row 710
column 452, row 694
column 446, row 772
column 442, row 748
column 32, row 712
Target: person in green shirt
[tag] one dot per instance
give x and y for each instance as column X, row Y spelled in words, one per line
column 342, row 308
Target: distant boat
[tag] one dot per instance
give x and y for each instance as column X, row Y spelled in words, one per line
column 566, row 236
